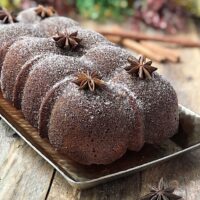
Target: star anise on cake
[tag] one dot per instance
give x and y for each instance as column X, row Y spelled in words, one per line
column 89, row 80
column 6, row 17
column 66, row 40
column 45, row 12
column 161, row 193
column 140, row 67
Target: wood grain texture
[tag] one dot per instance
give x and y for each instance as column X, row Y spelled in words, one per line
column 185, row 76
column 124, row 188
column 24, row 175
column 184, row 170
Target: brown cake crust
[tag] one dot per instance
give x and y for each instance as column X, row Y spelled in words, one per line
column 33, row 92
column 100, row 119
column 11, row 32
column 46, row 73
column 158, row 103
column 155, row 118
column 47, row 104
column 89, row 39
column 91, row 61
column 22, row 78
column 105, row 59
column 19, row 53
column 51, row 25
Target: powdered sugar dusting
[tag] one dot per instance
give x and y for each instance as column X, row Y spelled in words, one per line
column 105, row 59
column 52, row 25
column 21, row 51
column 157, row 101
column 90, row 127
column 104, row 110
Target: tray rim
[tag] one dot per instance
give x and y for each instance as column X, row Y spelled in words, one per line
column 96, row 181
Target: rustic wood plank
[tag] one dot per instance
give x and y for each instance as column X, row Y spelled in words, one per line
column 23, row 173
column 62, row 190
column 124, row 188
column 183, row 170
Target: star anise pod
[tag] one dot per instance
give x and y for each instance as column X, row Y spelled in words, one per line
column 87, row 80
column 66, row 40
column 45, row 12
column 161, row 193
column 6, row 17
column 140, row 67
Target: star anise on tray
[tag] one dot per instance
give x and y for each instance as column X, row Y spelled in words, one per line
column 6, row 17
column 45, row 12
column 161, row 193
column 66, row 40
column 87, row 80
column 140, row 67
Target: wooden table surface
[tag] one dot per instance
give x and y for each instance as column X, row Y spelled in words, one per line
column 25, row 175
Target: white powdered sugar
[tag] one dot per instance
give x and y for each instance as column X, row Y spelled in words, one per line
column 89, row 126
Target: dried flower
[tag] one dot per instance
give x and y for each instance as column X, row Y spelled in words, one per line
column 140, row 67
column 6, row 17
column 87, row 80
column 161, row 193
column 45, row 12
column 66, row 40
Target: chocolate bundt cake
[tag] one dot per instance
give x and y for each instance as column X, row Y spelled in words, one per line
column 138, row 94
column 91, row 99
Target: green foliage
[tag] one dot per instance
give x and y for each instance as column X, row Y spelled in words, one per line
column 193, row 6
column 10, row 4
column 104, row 9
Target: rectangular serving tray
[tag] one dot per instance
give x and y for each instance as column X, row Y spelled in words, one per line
column 80, row 176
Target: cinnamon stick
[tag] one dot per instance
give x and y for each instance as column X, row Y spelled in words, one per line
column 135, row 46
column 130, row 45
column 114, row 39
column 161, row 38
column 170, row 54
column 166, row 53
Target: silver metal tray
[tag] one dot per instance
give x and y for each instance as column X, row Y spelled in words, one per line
column 80, row 176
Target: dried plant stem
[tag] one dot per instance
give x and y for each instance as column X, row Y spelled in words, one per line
column 139, row 48
column 161, row 38
column 170, row 54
